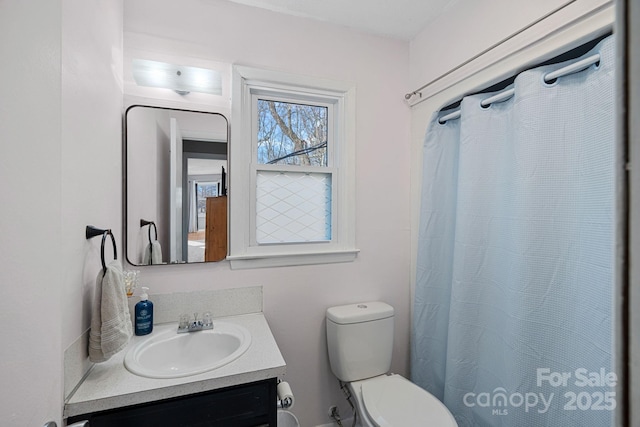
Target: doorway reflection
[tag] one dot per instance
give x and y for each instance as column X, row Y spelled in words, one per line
column 205, row 179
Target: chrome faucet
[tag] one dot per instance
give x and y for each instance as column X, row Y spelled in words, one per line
column 187, row 325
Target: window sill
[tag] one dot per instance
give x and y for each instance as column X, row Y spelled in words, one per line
column 240, row 262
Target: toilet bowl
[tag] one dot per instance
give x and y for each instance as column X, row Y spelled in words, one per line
column 287, row 419
column 360, row 344
column 393, row 401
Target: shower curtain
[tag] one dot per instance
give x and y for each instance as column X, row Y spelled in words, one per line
column 512, row 322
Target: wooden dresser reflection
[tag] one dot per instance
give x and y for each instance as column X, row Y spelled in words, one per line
column 216, row 229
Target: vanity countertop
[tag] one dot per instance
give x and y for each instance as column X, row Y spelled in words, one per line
column 110, row 385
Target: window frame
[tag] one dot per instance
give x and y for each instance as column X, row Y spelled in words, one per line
column 250, row 84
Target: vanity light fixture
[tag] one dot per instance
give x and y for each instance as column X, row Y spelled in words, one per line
column 180, row 78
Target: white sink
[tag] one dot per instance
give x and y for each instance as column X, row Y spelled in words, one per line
column 167, row 354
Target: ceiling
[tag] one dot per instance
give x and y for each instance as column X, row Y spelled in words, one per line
column 401, row 19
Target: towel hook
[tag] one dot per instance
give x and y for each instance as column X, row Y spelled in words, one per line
column 92, row 232
column 144, row 222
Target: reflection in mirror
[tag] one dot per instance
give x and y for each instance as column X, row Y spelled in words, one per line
column 175, row 186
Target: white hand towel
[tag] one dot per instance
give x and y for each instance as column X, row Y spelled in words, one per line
column 110, row 321
column 152, row 254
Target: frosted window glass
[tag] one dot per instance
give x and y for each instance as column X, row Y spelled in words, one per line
column 293, row 207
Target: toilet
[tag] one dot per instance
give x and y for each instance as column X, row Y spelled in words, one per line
column 360, row 343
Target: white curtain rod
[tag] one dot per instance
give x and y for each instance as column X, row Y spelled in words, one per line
column 410, row 95
column 451, row 116
column 501, row 97
column 572, row 68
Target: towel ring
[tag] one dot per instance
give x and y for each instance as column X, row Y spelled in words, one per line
column 92, row 232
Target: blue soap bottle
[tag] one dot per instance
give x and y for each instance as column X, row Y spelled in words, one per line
column 144, row 314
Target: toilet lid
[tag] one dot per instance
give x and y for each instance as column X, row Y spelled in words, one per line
column 393, row 401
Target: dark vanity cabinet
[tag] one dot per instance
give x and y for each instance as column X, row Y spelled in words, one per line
column 246, row 405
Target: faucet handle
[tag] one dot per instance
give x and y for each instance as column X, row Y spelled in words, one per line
column 206, row 319
column 196, row 323
column 184, row 321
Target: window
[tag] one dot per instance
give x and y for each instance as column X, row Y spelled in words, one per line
column 291, row 170
column 293, row 177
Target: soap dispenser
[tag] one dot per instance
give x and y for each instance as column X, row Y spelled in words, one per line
column 144, row 314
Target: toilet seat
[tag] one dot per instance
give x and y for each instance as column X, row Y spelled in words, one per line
column 393, row 401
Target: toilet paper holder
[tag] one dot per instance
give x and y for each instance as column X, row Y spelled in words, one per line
column 285, row 395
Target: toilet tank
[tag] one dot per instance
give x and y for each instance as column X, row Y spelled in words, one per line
column 360, row 340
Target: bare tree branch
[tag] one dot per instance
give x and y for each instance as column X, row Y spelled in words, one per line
column 298, row 143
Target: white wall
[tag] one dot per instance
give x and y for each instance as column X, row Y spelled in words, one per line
column 60, row 164
column 295, row 298
column 91, row 166
column 469, row 28
column 30, row 223
column 91, row 149
column 143, row 162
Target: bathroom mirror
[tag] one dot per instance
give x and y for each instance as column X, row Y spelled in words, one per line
column 175, row 186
